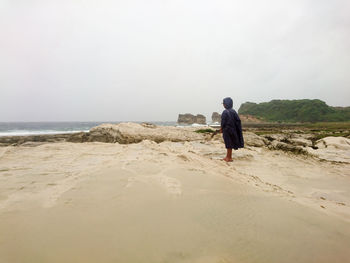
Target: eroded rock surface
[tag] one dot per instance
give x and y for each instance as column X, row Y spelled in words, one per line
column 133, row 133
column 251, row 139
column 335, row 149
column 340, row 143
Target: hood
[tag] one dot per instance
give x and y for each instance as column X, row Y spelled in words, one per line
column 228, row 103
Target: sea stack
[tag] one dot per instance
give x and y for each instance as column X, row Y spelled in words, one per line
column 216, row 117
column 191, row 119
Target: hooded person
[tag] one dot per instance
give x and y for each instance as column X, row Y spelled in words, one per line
column 231, row 128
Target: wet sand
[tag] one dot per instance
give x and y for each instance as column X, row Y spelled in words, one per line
column 170, row 202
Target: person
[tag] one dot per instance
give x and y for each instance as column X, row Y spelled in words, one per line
column 231, row 129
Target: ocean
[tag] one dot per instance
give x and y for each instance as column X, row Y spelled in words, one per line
column 35, row 128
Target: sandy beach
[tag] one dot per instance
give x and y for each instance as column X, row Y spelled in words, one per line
column 165, row 195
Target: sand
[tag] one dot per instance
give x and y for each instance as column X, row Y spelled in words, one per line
column 170, row 202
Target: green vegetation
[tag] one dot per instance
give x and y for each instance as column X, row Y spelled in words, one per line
column 264, row 132
column 296, row 111
column 205, row 131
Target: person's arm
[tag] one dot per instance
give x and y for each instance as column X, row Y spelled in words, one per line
column 239, row 130
column 224, row 119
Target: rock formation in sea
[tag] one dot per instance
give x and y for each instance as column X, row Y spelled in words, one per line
column 190, row 119
column 216, row 117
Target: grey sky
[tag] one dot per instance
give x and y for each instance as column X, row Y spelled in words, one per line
column 150, row 60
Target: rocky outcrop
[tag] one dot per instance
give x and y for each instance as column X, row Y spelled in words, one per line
column 276, row 145
column 33, row 139
column 251, row 139
column 290, row 142
column 330, row 148
column 191, row 119
column 336, row 149
column 125, row 133
column 216, row 117
column 336, row 143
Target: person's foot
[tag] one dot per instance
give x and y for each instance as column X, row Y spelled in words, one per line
column 226, row 159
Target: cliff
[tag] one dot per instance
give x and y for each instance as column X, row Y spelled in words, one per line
column 295, row 111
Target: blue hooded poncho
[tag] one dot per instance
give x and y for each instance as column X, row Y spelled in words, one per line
column 231, row 126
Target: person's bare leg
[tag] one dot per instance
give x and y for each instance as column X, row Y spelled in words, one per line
column 228, row 157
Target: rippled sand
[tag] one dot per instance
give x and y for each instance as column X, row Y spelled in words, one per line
column 170, row 202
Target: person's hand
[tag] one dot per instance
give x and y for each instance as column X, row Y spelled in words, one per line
column 220, row 130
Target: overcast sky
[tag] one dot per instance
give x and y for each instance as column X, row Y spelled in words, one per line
column 70, row 60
